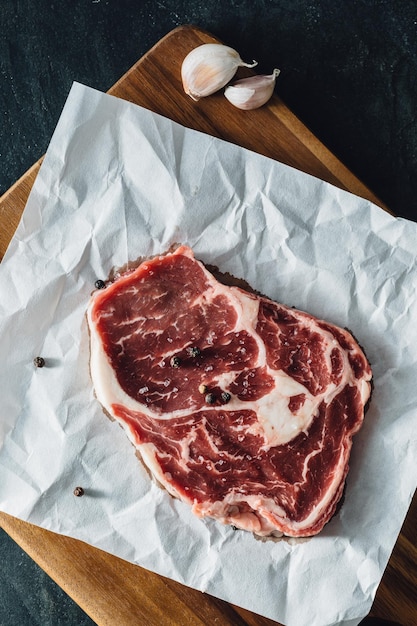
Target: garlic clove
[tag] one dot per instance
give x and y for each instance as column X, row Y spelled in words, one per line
column 252, row 92
column 208, row 68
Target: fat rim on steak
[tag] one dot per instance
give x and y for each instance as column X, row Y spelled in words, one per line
column 239, row 406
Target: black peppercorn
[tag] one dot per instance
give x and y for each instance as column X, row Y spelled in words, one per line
column 175, row 361
column 39, row 361
column 78, row 491
column 99, row 284
column 226, row 397
column 210, row 398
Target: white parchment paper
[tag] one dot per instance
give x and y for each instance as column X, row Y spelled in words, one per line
column 119, row 182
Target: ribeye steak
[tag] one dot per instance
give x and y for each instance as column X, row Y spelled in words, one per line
column 239, row 406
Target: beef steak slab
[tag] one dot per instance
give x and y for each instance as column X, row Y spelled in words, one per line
column 239, row 406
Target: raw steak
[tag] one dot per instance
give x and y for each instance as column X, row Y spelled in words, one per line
column 239, row 406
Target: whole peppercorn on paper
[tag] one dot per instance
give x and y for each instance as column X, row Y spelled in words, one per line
column 117, row 183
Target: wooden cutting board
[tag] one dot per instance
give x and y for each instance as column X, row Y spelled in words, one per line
column 111, row 590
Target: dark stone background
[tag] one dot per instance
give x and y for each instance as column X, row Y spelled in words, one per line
column 348, row 71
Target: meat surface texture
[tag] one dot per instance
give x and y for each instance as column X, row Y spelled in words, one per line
column 239, row 406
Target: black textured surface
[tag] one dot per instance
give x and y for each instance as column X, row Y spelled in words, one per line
column 348, row 70
column 28, row 597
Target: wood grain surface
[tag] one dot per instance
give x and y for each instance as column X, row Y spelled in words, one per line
column 109, row 589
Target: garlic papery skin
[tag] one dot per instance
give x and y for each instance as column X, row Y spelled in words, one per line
column 253, row 92
column 208, row 68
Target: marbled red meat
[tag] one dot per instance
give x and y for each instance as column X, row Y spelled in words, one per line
column 241, row 407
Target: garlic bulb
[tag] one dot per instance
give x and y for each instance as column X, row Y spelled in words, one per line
column 252, row 92
column 208, row 68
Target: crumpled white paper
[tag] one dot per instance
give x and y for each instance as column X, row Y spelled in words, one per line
column 119, row 182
